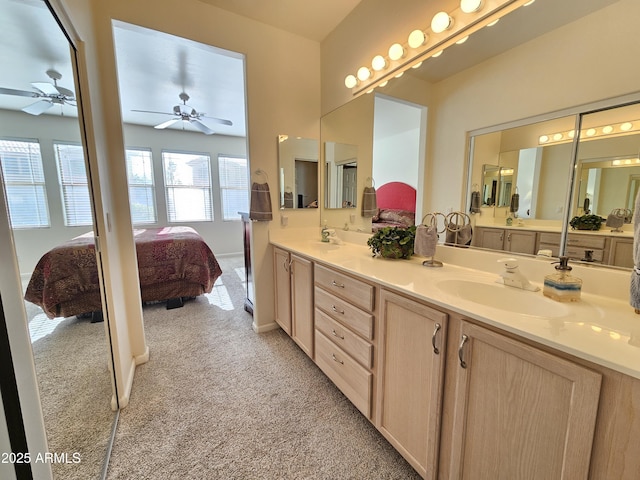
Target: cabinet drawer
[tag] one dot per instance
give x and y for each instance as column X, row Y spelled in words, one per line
column 549, row 238
column 352, row 379
column 586, row 241
column 359, row 349
column 357, row 320
column 359, row 293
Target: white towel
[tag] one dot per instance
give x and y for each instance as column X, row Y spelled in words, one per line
column 634, row 297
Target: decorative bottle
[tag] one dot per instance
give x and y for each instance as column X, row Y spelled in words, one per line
column 562, row 286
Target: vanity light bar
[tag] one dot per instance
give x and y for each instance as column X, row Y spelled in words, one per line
column 447, row 29
column 610, row 130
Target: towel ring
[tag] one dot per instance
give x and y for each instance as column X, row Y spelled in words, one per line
column 453, row 221
column 431, row 220
column 373, row 184
column 261, row 172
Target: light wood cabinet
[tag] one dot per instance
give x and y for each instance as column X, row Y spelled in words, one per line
column 519, row 412
column 621, row 252
column 411, row 369
column 509, row 240
column 294, row 297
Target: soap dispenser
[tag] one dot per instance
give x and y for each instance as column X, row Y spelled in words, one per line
column 325, row 233
column 562, row 286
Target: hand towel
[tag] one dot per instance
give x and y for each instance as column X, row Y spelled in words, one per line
column 260, row 208
column 425, row 241
column 634, row 293
column 369, row 202
column 515, row 203
column 458, row 234
column 475, row 202
column 288, row 200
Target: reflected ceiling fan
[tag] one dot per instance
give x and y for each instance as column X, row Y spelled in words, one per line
column 49, row 94
column 186, row 113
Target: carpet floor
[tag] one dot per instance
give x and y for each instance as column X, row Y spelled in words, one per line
column 218, row 401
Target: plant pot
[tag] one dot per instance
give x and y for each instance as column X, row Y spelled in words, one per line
column 396, row 251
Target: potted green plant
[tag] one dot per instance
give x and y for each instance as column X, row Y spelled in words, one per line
column 586, row 222
column 393, row 242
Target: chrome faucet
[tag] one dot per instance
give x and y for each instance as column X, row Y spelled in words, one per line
column 513, row 277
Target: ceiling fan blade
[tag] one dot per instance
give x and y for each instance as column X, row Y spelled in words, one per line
column 46, row 88
column 221, row 121
column 149, row 111
column 166, row 124
column 66, row 92
column 201, row 126
column 38, row 107
column 20, row 93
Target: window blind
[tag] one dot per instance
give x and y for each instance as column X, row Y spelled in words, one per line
column 24, row 183
column 234, row 186
column 141, row 186
column 187, row 181
column 72, row 172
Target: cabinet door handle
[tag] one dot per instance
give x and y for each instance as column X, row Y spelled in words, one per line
column 336, row 359
column 335, row 334
column 463, row 364
column 501, row 236
column 285, row 264
column 336, row 284
column 333, row 307
column 509, row 237
column 436, row 350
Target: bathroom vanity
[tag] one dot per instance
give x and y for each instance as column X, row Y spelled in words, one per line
column 467, row 378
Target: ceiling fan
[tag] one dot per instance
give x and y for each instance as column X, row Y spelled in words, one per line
column 49, row 94
column 186, row 113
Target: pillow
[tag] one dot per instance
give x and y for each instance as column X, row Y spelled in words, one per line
column 403, row 217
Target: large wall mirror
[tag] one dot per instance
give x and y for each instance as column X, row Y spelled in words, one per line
column 555, row 191
column 298, row 172
column 45, row 182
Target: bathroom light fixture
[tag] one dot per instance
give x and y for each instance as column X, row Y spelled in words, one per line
column 626, row 126
column 378, row 63
column 447, row 29
column 417, row 38
column 437, row 54
column 470, row 6
column 625, row 162
column 610, row 130
column 543, row 139
column 493, row 23
column 462, row 40
column 441, row 21
column 396, row 51
column 607, row 130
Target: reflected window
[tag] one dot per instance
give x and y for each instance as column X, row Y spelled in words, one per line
column 74, row 187
column 187, row 181
column 24, row 183
column 141, row 186
column 234, row 186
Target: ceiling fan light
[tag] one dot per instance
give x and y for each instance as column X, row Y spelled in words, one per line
column 441, row 21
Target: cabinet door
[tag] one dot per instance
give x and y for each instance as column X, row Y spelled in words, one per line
column 621, row 252
column 411, row 373
column 281, row 269
column 521, row 242
column 302, row 303
column 520, row 413
column 491, row 238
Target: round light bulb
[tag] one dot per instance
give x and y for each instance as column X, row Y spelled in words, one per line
column 350, row 81
column 493, row 23
column 399, row 75
column 396, row 51
column 557, row 137
column 571, row 133
column 378, row 63
column 626, row 126
column 384, row 84
column 608, row 129
column 417, row 65
column 437, row 54
column 470, row 6
column 417, row 38
column 591, row 132
column 441, row 21
column 543, row 139
column 462, row 40
column 363, row 74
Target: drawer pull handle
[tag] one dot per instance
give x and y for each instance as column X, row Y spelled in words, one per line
column 333, row 307
column 336, row 284
column 436, row 350
column 336, row 359
column 463, row 364
column 335, row 334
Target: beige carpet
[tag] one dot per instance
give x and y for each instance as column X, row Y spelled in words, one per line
column 218, row 401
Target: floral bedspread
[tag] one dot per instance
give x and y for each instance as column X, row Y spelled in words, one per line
column 172, row 262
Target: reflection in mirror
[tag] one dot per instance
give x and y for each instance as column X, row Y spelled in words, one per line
column 45, row 182
column 298, row 172
column 341, row 175
column 490, row 174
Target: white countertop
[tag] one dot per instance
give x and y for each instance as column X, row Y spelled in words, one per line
column 598, row 328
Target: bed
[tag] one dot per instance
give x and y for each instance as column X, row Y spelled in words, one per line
column 173, row 263
column 396, row 206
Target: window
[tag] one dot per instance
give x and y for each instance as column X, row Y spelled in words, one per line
column 141, row 188
column 24, row 183
column 72, row 171
column 234, row 186
column 188, row 183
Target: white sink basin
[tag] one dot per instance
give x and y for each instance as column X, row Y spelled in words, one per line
column 501, row 297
